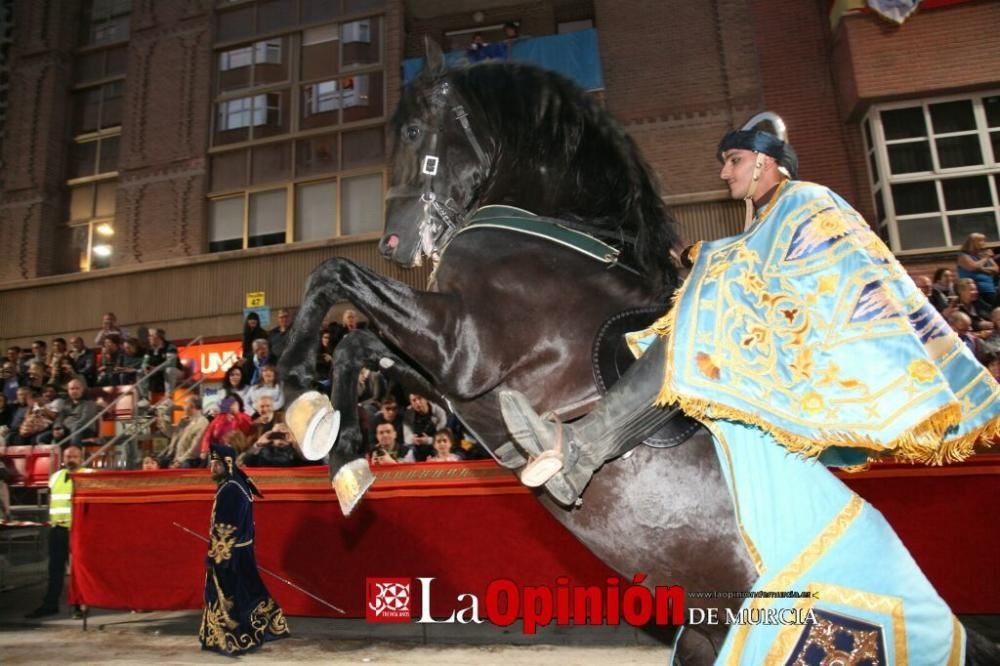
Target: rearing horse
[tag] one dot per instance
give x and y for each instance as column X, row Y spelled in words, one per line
column 517, row 310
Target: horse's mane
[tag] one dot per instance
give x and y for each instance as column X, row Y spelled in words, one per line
column 541, row 122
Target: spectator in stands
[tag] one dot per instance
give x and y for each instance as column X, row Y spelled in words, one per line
column 990, row 343
column 976, row 262
column 272, row 449
column 109, row 326
column 236, row 381
column 84, row 361
column 39, row 352
column 111, row 360
column 278, row 337
column 35, row 422
column 6, row 411
column 372, row 390
column 923, row 284
column 61, row 372
column 24, row 400
column 387, row 449
column 160, row 351
column 10, row 383
column 992, row 362
column 265, row 418
column 479, row 49
column 943, row 289
column 962, row 325
column 252, row 330
column 972, row 305
column 50, row 400
column 420, row 421
column 149, row 464
column 444, row 445
column 231, row 417
column 348, row 323
column 185, row 438
column 237, row 440
column 130, row 361
column 76, row 417
column 324, row 360
column 261, row 357
column 269, row 386
column 57, row 351
column 37, row 375
column 389, row 412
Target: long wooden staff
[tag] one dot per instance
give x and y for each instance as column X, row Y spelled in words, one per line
column 270, row 573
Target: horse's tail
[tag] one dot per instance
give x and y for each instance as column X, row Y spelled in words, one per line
column 979, row 650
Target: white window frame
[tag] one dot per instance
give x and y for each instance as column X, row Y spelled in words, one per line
column 882, row 188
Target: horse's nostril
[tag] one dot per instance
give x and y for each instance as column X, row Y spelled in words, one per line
column 392, row 241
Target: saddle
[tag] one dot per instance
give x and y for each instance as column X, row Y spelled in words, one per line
column 611, row 357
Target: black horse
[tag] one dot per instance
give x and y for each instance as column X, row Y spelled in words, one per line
column 508, row 310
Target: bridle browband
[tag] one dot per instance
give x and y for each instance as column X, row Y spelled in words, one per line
column 442, row 216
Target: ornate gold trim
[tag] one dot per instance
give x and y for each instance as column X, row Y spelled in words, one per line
column 794, row 570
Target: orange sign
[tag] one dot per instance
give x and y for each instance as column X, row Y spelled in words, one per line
column 212, row 360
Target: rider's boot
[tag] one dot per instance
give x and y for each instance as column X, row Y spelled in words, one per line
column 565, row 456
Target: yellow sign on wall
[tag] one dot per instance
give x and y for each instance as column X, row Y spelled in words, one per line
column 255, row 299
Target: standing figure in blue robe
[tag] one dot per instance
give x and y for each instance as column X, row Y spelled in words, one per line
column 239, row 614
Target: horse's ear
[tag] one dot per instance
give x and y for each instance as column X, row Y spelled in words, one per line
column 435, row 58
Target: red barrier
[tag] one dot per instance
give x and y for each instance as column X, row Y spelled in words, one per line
column 466, row 524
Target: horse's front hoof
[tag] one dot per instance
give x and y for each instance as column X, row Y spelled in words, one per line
column 351, row 482
column 314, row 423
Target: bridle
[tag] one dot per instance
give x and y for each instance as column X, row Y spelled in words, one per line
column 442, row 216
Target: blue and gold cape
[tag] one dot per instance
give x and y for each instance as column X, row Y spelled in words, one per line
column 806, row 326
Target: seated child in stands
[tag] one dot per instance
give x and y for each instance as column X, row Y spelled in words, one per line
column 444, row 443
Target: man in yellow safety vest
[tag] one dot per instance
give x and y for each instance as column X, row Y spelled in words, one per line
column 60, row 518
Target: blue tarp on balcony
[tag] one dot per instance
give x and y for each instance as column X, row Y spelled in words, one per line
column 575, row 55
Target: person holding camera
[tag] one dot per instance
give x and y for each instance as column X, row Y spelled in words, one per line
column 273, row 449
column 387, row 449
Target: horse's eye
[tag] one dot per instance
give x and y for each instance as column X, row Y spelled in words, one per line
column 411, row 133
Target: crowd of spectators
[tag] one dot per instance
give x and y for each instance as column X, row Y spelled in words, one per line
column 44, row 398
column 967, row 298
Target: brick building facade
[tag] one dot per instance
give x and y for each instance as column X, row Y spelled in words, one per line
column 151, row 147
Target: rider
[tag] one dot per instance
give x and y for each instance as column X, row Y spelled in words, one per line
column 761, row 333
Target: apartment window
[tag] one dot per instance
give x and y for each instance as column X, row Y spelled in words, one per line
column 325, row 208
column 92, row 218
column 259, row 64
column 264, row 115
column 93, row 157
column 299, row 128
column 98, row 108
column 934, row 168
column 105, row 21
column 101, row 64
column 254, row 18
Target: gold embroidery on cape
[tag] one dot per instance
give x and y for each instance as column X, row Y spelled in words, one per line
column 223, row 540
column 794, row 570
column 888, row 605
column 217, row 626
column 924, row 442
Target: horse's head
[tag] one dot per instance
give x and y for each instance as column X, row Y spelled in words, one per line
column 439, row 164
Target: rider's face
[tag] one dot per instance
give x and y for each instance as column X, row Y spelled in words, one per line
column 737, row 171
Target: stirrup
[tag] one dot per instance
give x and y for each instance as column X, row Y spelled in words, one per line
column 547, row 464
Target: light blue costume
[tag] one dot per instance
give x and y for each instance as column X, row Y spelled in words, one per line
column 805, row 335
